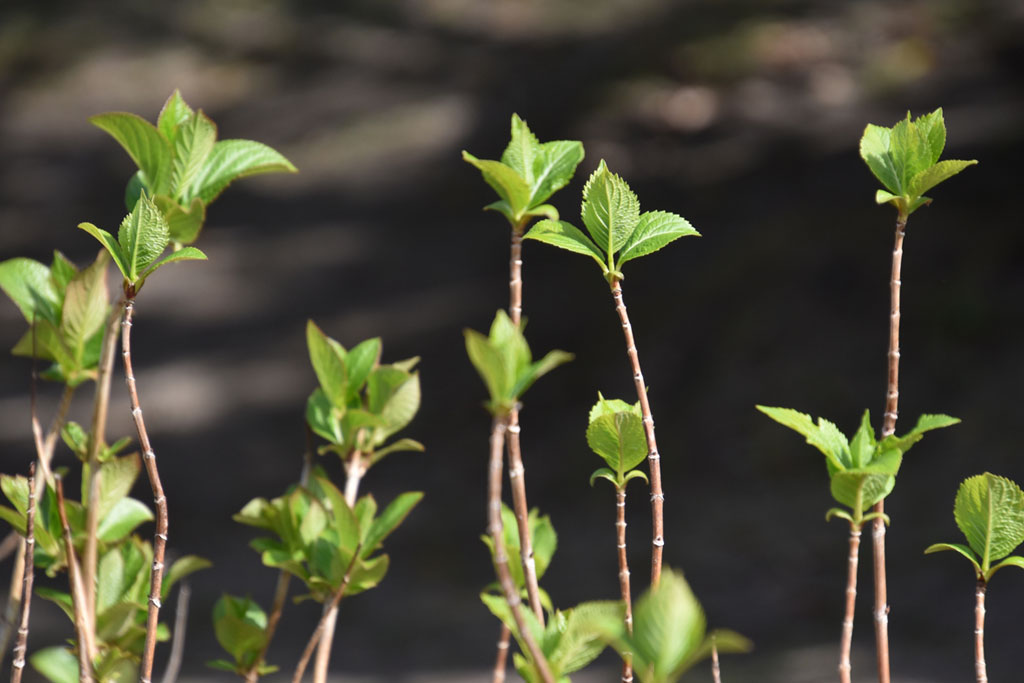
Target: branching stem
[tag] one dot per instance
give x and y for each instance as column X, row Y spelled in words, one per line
column 653, row 457
column 18, row 664
column 979, row 632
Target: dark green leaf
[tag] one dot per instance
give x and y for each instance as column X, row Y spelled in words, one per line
column 366, row 575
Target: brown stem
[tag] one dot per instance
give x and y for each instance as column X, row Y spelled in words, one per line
column 178, row 637
column 498, row 427
column 892, row 396
column 323, row 626
column 159, row 499
column 97, row 438
column 86, row 645
column 716, row 671
column 516, row 477
column 18, row 665
column 979, row 632
column 620, row 536
column 501, row 659
column 653, row 457
column 515, row 275
column 846, row 641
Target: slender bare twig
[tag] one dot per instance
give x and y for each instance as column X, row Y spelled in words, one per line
column 517, row 476
column 498, row 429
column 501, row 659
column 846, row 640
column 18, row 664
column 178, row 637
column 159, row 499
column 624, row 591
column 86, row 644
column 653, row 457
column 330, row 608
column 979, row 633
column 716, row 671
column 892, row 396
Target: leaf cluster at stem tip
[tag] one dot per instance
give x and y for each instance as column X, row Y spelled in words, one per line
column 905, row 159
column 862, row 470
column 616, row 433
column 618, row 231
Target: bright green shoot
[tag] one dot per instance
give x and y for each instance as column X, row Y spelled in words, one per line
column 141, row 239
column 182, row 165
column 989, row 510
column 616, row 433
column 862, row 470
column 505, row 364
column 905, row 159
column 528, row 174
column 618, row 231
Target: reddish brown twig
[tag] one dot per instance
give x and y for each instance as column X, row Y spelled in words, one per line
column 846, row 641
column 86, row 644
column 18, row 664
column 979, row 633
column 716, row 671
column 653, row 457
column 159, row 499
column 624, row 591
column 501, row 659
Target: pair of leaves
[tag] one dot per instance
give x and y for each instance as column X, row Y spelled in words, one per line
column 318, row 535
column 862, row 470
column 240, row 625
column 542, row 535
column 989, row 510
column 65, row 309
column 905, row 159
column 505, row 364
column 669, row 632
column 141, row 239
column 181, row 163
column 360, row 403
column 611, row 214
column 528, row 174
column 571, row 639
column 616, row 433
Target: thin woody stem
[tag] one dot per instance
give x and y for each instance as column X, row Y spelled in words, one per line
column 716, row 671
column 355, row 468
column 86, row 645
column 496, row 530
column 979, row 633
column 501, row 659
column 653, row 457
column 892, row 396
column 159, row 499
column 846, row 640
column 329, row 609
column 178, row 636
column 18, row 665
column 624, row 591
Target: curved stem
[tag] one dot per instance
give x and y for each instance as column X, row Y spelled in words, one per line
column 846, row 641
column 892, row 396
column 979, row 632
column 18, row 665
column 501, row 659
column 498, row 428
column 620, row 537
column 159, row 499
column 86, row 644
column 653, row 457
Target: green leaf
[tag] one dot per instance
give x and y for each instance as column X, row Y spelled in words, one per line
column 619, row 439
column 990, row 512
column 46, row 342
column 329, row 365
column 240, row 627
column 192, row 145
column 824, row 436
column 871, row 487
column 366, row 575
column 181, row 568
column 394, row 395
column 234, row 159
column 111, row 582
column 566, row 236
column 389, row 520
column 143, row 236
column 134, row 189
column 183, row 254
column 543, row 211
column 553, row 168
column 610, row 406
column 122, row 519
column 111, row 245
column 491, row 367
column 933, row 175
column 360, row 361
column 395, row 447
column 321, row 417
column 582, row 636
column 28, row 284
column 610, row 210
column 545, row 541
column 862, row 446
column 61, row 271
column 183, row 225
column 962, row 549
column 875, row 151
column 522, row 150
column 1011, row 561
column 509, row 185
column 174, row 113
column 605, row 473
column 147, row 147
column 57, row 664
column 537, row 370
column 86, row 306
column 669, row 626
column 116, row 480
column 654, row 230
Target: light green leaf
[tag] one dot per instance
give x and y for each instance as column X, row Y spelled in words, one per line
column 870, row 486
column 654, row 230
column 147, row 147
column 883, row 197
column 183, row 224
column 935, row 174
column 192, row 145
column 553, row 168
column 619, row 439
column 509, row 185
column 234, row 159
column 491, row 367
column 61, row 271
column 27, row 282
column 537, row 370
column 116, row 480
column 174, row 113
column 543, row 211
column 545, row 541
column 46, row 342
column 143, row 236
column 183, row 254
column 86, row 306
column 124, row 516
column 329, row 365
column 824, row 436
column 610, row 406
column 522, row 150
column 1011, row 561
column 394, row 395
column 566, row 236
column 669, row 626
column 393, row 515
column 321, row 417
column 240, row 627
column 875, row 151
column 181, row 568
column 582, row 637
column 610, row 210
column 57, row 664
column 111, row 582
column 862, row 446
column 990, row 512
column 962, row 549
column 604, row 473
column 932, row 128
column 396, row 447
column 367, row 574
column 111, row 245
column 359, row 361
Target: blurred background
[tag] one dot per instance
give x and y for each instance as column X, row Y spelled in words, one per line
column 742, row 116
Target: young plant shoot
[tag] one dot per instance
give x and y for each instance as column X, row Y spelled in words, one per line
column 528, row 173
column 989, row 510
column 862, row 472
column 505, row 364
column 616, row 433
column 620, row 233
column 905, row 160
